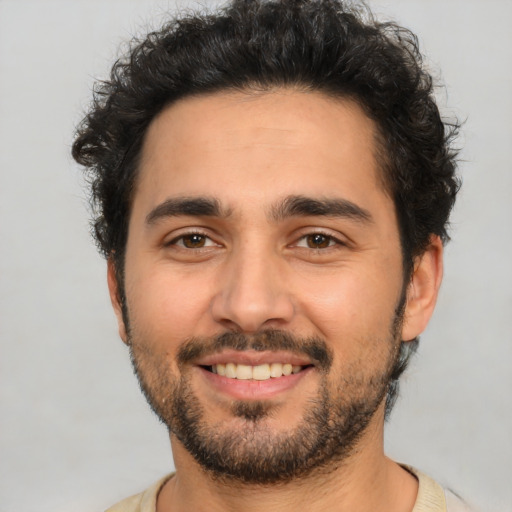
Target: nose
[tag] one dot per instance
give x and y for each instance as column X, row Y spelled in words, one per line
column 253, row 294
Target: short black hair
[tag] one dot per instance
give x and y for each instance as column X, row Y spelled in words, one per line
column 328, row 46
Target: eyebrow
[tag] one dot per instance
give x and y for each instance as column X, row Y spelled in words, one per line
column 291, row 206
column 302, row 206
column 189, row 206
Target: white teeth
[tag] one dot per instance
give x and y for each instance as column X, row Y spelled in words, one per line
column 243, row 372
column 231, row 371
column 259, row 372
column 276, row 370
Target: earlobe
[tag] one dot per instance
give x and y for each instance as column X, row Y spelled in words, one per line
column 423, row 289
column 115, row 298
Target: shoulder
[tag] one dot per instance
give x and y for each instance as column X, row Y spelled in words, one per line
column 432, row 497
column 142, row 502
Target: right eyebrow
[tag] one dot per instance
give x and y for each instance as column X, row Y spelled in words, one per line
column 302, row 206
column 189, row 206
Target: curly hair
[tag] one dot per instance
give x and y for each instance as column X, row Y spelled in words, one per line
column 327, row 46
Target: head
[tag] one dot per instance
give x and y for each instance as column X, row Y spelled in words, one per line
column 248, row 55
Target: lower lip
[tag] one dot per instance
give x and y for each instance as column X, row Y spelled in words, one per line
column 254, row 389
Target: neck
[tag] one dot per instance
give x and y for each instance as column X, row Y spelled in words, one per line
column 365, row 481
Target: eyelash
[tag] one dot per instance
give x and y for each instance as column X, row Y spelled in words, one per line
column 175, row 241
column 332, row 241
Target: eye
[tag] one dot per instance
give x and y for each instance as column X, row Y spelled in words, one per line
column 317, row 241
column 193, row 241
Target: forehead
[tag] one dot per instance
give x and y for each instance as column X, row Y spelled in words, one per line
column 248, row 147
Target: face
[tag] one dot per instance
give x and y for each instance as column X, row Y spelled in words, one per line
column 263, row 281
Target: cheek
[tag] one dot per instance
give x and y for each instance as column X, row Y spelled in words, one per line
column 349, row 305
column 165, row 306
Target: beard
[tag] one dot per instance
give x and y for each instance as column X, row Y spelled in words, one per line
column 245, row 448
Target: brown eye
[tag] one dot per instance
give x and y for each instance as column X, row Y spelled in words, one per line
column 194, row 241
column 318, row 241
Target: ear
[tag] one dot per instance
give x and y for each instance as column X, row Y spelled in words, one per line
column 115, row 298
column 423, row 289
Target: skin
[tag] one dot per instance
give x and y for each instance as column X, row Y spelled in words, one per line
column 250, row 271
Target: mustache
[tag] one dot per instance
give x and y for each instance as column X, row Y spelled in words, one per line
column 273, row 340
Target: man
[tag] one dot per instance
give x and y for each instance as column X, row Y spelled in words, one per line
column 271, row 186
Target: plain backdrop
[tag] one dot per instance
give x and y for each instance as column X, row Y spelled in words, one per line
column 76, row 434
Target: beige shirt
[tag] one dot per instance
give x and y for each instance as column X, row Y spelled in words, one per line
column 431, row 497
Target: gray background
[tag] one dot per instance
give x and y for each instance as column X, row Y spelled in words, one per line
column 76, row 434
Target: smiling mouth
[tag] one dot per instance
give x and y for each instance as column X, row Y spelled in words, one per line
column 259, row 372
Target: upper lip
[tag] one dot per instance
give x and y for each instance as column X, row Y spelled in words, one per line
column 253, row 358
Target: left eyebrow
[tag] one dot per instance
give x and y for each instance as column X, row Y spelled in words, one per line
column 186, row 206
column 302, row 206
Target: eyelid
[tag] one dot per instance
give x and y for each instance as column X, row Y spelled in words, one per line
column 189, row 231
column 336, row 238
